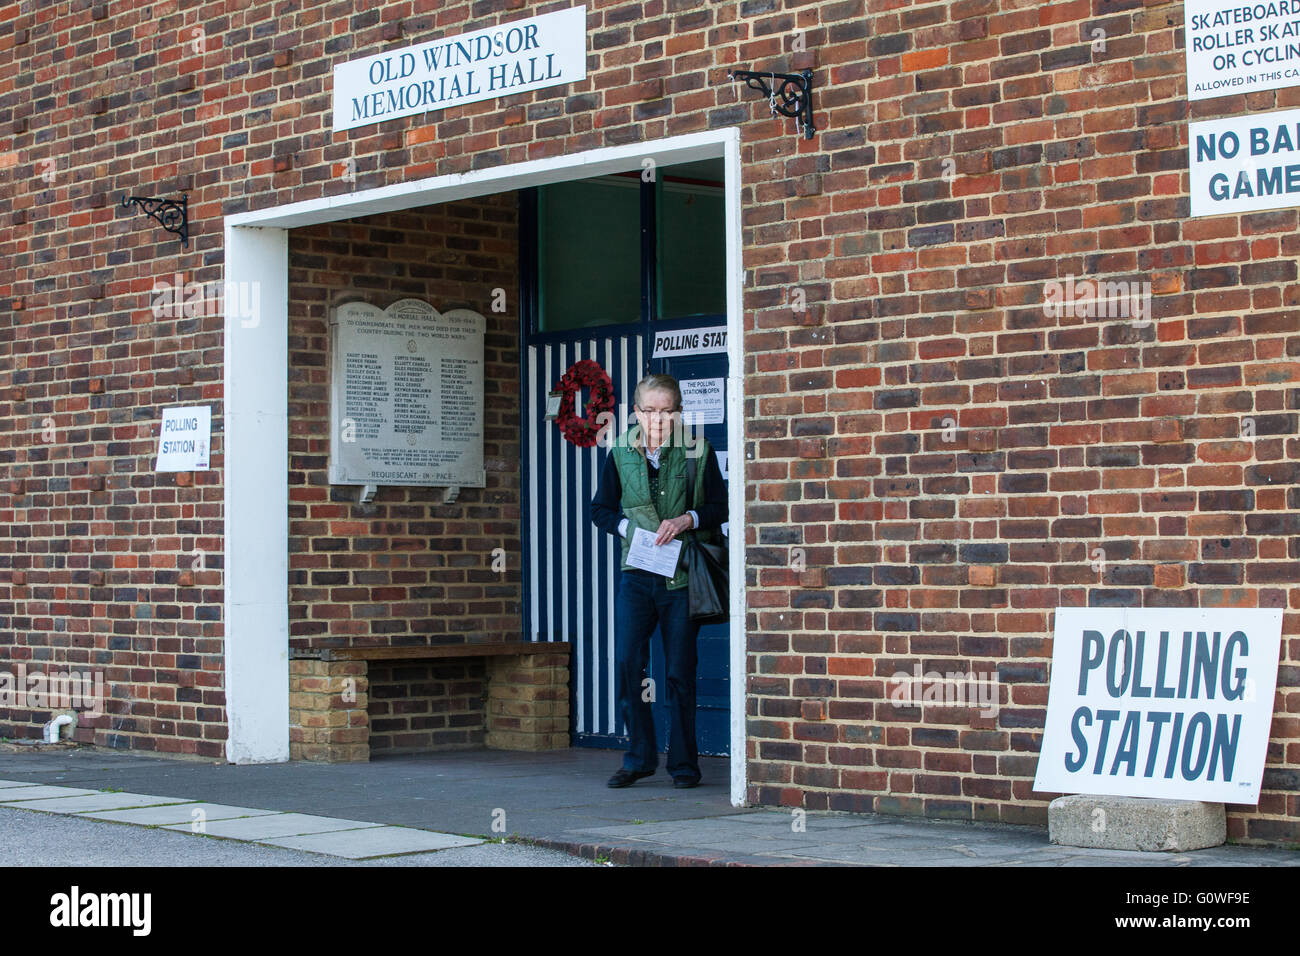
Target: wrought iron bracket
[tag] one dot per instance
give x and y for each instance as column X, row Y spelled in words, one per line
column 789, row 94
column 172, row 214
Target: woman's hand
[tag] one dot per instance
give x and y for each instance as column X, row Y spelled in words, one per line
column 672, row 527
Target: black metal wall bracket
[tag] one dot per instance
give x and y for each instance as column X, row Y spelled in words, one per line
column 789, row 94
column 172, row 214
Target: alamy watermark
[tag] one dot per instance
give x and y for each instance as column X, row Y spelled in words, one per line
column 180, row 299
column 954, row 688
column 1098, row 299
column 68, row 690
column 684, row 430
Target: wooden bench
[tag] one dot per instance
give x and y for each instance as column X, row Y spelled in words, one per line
column 525, row 705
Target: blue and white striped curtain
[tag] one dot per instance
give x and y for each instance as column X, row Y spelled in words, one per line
column 572, row 565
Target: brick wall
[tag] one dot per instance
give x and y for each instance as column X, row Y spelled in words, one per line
column 968, row 152
column 405, row 568
column 419, row 706
column 952, row 461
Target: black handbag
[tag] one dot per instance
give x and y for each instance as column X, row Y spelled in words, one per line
column 708, row 572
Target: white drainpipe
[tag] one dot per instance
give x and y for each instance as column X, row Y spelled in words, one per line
column 52, row 728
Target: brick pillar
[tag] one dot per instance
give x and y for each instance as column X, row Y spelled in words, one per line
column 528, row 702
column 327, row 711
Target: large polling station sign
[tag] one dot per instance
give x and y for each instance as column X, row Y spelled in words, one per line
column 1241, row 47
column 523, row 55
column 1245, row 163
column 1156, row 702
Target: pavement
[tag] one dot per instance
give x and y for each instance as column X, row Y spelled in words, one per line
column 417, row 806
column 32, row 838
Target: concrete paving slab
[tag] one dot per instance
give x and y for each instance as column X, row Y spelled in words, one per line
column 877, row 858
column 273, row 826
column 14, row 783
column 985, row 851
column 778, row 819
column 40, row 792
column 372, row 842
column 93, row 801
column 177, row 813
column 791, row 848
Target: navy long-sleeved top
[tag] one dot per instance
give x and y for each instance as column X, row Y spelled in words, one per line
column 607, row 508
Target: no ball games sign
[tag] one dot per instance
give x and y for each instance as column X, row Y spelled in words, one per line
column 1172, row 703
column 1241, row 47
column 511, row 58
column 1245, row 163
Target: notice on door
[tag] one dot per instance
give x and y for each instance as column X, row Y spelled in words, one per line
column 1241, row 47
column 690, row 342
column 1160, row 702
column 704, row 401
column 406, row 396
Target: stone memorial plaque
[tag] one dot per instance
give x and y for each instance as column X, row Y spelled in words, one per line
column 406, row 396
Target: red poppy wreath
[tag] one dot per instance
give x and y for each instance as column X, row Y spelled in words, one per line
column 584, row 374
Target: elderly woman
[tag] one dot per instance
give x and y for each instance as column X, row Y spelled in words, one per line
column 643, row 485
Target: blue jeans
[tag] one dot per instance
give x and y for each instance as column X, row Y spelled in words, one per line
column 644, row 601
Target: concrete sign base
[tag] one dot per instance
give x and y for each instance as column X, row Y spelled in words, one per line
column 1135, row 823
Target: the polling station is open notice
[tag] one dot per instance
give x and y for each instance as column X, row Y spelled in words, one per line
column 1160, row 702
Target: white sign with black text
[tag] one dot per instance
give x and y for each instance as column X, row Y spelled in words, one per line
column 703, row 400
column 406, row 396
column 690, row 342
column 511, row 58
column 1241, row 47
column 185, row 440
column 1245, row 163
column 1160, row 702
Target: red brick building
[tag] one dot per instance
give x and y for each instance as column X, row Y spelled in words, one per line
column 928, row 458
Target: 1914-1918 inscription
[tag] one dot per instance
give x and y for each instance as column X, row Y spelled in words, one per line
column 406, row 395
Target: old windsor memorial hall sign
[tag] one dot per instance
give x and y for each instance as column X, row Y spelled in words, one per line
column 511, row 58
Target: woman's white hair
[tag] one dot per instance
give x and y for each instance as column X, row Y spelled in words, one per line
column 659, row 382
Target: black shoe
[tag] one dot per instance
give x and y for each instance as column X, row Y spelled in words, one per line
column 625, row 778
column 685, row 783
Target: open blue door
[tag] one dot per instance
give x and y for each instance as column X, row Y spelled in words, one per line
column 703, row 379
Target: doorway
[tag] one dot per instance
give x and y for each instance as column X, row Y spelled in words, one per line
column 256, row 418
column 618, row 270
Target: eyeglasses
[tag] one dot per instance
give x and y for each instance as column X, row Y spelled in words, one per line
column 656, row 411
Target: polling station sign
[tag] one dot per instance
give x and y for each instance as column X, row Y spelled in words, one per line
column 1241, row 47
column 690, row 342
column 1160, row 702
column 1245, row 163
column 185, row 439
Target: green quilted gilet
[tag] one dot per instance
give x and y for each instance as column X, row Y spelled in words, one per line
column 672, row 499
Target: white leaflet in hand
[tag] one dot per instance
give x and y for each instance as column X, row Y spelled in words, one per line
column 646, row 555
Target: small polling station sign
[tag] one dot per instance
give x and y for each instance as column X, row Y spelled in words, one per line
column 185, row 440
column 1245, row 163
column 1160, row 702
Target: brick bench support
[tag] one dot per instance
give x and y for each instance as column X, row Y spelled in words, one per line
column 527, row 704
